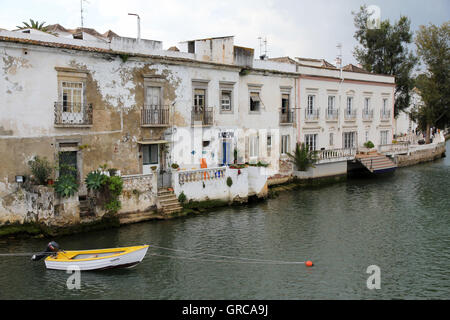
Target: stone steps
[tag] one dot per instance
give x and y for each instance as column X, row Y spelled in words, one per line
column 169, row 202
column 377, row 163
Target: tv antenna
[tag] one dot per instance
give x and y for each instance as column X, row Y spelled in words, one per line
column 262, row 43
column 81, row 11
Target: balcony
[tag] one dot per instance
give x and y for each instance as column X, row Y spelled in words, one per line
column 73, row 114
column 385, row 115
column 367, row 115
column 202, row 116
column 350, row 115
column 287, row 117
column 311, row 114
column 154, row 116
column 332, row 114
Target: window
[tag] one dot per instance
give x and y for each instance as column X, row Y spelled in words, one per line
column 284, row 103
column 150, row 154
column 311, row 102
column 331, row 104
column 349, row 105
column 255, row 102
column 269, row 144
column 199, row 99
column 367, row 136
column 384, row 137
column 254, row 141
column 349, row 139
column 311, row 141
column 366, row 105
column 72, row 96
column 153, row 97
column 285, row 144
column 331, row 138
column 385, row 109
column 225, row 101
column 68, row 163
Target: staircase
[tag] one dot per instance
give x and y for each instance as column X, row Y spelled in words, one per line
column 377, row 163
column 85, row 208
column 169, row 201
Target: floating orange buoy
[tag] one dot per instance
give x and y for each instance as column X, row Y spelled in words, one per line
column 309, row 263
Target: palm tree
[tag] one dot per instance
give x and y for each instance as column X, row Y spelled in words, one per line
column 303, row 158
column 33, row 25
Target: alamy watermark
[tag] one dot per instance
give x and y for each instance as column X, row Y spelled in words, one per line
column 374, row 280
column 74, row 280
column 374, row 19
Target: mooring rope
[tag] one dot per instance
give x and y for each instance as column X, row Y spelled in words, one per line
column 228, row 261
column 226, row 257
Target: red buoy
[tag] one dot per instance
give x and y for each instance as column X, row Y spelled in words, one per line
column 309, row 263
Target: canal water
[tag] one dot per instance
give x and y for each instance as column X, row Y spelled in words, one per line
column 399, row 223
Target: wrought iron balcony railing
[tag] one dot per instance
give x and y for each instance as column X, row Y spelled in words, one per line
column 332, row 114
column 312, row 114
column 367, row 115
column 202, row 115
column 287, row 116
column 385, row 114
column 154, row 116
column 73, row 114
column 350, row 114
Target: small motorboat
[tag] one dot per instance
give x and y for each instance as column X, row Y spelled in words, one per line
column 97, row 259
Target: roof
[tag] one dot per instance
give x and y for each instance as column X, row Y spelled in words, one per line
column 352, row 68
column 212, row 38
column 110, row 34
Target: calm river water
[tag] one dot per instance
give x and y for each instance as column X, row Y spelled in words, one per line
column 399, row 223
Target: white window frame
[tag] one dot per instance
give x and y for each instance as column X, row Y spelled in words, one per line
column 285, row 139
column 254, row 147
column 311, row 141
column 229, row 105
column 311, row 104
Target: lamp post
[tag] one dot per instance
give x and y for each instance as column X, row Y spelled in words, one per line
column 138, row 25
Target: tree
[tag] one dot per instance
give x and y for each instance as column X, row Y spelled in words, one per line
column 434, row 84
column 385, row 51
column 33, row 25
column 303, row 158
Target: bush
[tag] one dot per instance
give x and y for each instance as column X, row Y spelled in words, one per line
column 229, row 182
column 66, row 186
column 95, row 180
column 175, row 166
column 182, row 197
column 369, row 145
column 109, row 189
column 41, row 170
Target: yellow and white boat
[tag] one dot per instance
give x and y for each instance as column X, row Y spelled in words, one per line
column 98, row 259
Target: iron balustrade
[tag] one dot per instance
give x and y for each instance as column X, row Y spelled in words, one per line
column 73, row 113
column 385, row 114
column 287, row 116
column 203, row 115
column 350, row 115
column 367, row 114
column 332, row 114
column 155, row 115
column 312, row 114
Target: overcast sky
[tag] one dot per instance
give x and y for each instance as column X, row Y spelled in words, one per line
column 293, row 27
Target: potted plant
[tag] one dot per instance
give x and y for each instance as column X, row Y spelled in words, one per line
column 175, row 166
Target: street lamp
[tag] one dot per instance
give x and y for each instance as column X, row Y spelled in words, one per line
column 138, row 25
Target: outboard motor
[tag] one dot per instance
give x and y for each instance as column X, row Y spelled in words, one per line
column 52, row 248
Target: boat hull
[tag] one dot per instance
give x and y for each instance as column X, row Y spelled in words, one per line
column 127, row 258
